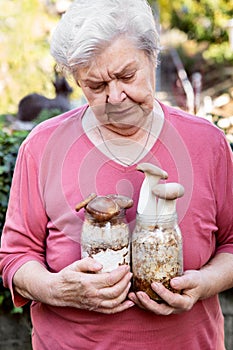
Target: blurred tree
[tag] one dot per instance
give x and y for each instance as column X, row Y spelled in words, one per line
column 26, row 65
column 202, row 21
column 25, row 62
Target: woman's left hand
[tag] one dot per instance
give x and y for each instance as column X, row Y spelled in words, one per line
column 213, row 278
column 192, row 286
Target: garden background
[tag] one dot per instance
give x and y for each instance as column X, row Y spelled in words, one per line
column 198, row 31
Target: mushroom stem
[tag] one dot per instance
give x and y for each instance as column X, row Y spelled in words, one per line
column 84, row 203
column 167, row 195
column 147, row 202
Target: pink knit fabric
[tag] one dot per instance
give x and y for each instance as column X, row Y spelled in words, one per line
column 57, row 167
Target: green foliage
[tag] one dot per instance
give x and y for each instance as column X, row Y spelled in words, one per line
column 6, row 304
column 219, row 53
column 10, row 142
column 202, row 21
column 47, row 114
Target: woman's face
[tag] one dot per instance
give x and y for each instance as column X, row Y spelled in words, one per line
column 119, row 85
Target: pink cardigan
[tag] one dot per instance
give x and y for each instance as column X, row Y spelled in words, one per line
column 57, row 167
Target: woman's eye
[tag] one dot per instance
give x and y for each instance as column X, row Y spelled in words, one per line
column 128, row 77
column 97, row 88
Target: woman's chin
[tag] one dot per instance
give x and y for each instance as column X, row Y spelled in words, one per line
column 123, row 129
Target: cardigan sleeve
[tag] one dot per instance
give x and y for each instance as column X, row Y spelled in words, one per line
column 24, row 233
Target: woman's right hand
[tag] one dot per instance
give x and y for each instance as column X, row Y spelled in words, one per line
column 80, row 285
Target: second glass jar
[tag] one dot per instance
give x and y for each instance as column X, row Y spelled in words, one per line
column 157, row 253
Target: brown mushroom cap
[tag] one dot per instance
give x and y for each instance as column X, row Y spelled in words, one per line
column 103, row 208
column 152, row 170
column 124, row 202
column 168, row 191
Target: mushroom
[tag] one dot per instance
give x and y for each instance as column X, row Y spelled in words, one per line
column 147, row 201
column 103, row 208
column 167, row 194
column 124, row 202
column 83, row 203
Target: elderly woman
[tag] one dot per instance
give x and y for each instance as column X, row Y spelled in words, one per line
column 111, row 49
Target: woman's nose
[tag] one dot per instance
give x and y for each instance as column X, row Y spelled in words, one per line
column 115, row 92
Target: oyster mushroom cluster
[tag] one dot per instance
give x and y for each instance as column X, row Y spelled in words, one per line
column 157, row 198
column 104, row 208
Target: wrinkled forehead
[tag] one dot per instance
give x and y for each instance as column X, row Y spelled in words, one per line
column 118, row 58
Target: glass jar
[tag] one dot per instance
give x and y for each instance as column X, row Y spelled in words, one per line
column 106, row 241
column 157, row 254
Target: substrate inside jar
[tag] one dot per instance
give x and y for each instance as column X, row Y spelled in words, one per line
column 106, row 242
column 156, row 257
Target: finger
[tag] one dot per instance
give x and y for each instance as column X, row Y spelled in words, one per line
column 180, row 302
column 109, row 279
column 151, row 305
column 123, row 306
column 134, row 298
column 165, row 294
column 117, row 289
column 86, row 265
column 188, row 280
column 106, row 289
column 94, row 302
column 113, row 303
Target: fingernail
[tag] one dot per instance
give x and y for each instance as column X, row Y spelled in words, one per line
column 126, row 268
column 156, row 284
column 175, row 283
column 98, row 265
column 132, row 298
column 141, row 294
column 130, row 303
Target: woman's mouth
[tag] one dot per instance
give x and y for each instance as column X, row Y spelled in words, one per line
column 117, row 112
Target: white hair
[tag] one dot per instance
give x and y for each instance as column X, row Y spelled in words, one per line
column 88, row 26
